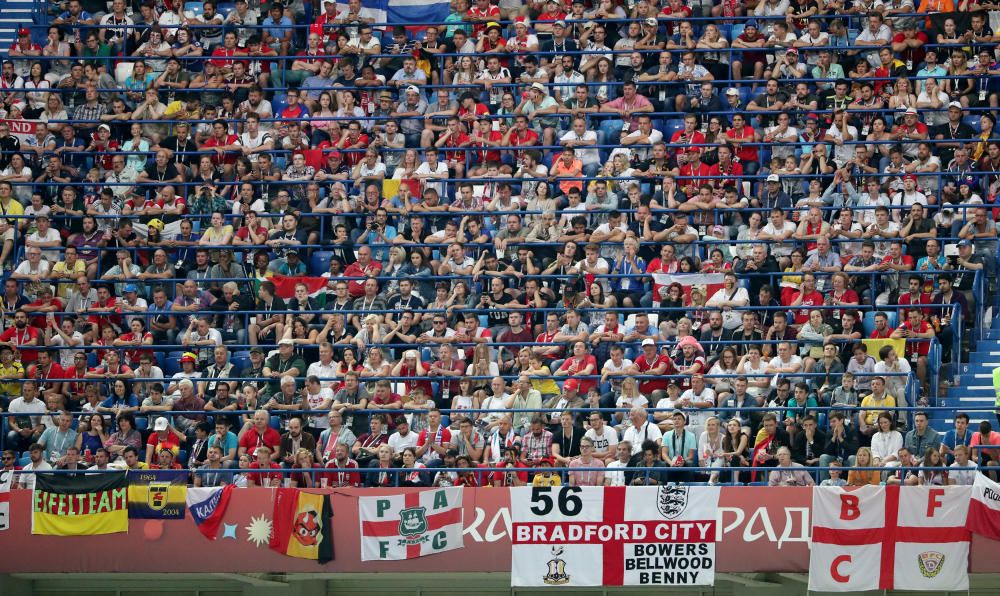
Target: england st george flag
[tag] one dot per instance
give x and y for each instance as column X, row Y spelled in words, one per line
column 613, row 536
column 411, row 525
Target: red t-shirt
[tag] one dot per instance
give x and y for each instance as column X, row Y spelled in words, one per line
column 921, row 347
column 492, row 13
column 455, row 141
column 170, row 443
column 732, row 175
column 744, row 152
column 39, row 321
column 411, row 383
column 813, row 298
column 907, row 300
column 694, row 175
column 265, row 478
column 228, row 157
column 19, row 337
column 251, row 440
column 340, row 475
column 585, row 384
column 55, row 372
column 648, row 386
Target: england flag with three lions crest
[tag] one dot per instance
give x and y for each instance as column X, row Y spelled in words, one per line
column 410, row 525
column 613, row 536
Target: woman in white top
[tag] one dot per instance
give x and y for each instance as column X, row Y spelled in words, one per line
column 481, row 366
column 710, row 451
column 54, row 110
column 749, row 231
column 891, row 363
column 754, row 368
column 886, row 443
column 17, row 171
column 628, row 399
column 37, row 87
column 725, row 365
column 55, row 46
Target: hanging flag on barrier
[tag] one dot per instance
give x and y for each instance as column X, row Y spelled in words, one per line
column 411, row 525
column 613, row 536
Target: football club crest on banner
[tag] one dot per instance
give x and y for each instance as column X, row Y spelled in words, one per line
column 930, row 563
column 410, row 525
column 672, row 500
column 160, row 494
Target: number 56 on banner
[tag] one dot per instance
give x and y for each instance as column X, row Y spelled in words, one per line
column 586, row 536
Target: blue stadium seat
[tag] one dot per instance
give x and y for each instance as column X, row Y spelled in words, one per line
column 319, row 262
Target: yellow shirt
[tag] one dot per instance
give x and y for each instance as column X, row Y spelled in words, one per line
column 874, row 407
column 545, row 386
column 15, row 369
column 64, row 288
column 12, row 208
column 551, row 479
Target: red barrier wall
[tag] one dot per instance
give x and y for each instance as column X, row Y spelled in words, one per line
column 763, row 530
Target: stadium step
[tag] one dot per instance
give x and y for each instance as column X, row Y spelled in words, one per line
column 15, row 14
column 974, row 388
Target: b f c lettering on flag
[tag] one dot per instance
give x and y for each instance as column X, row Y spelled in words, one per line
column 884, row 538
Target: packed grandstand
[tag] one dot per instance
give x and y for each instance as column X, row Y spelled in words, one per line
column 293, row 245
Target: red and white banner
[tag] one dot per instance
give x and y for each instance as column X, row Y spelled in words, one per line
column 984, row 508
column 588, row 536
column 885, row 538
column 710, row 282
column 284, row 285
column 410, row 525
column 24, row 130
column 6, row 479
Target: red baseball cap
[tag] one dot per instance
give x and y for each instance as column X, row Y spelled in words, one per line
column 910, row 177
column 571, row 385
column 24, row 32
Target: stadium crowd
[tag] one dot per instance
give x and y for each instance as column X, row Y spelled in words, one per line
column 584, row 235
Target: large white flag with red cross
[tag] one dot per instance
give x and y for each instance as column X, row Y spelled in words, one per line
column 410, row 525
column 613, row 536
column 889, row 538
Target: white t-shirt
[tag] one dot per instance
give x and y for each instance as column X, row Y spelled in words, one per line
column 326, row 373
column 605, row 442
column 636, row 436
column 844, row 152
column 697, row 418
column 254, row 142
column 785, row 248
column 616, row 477
column 441, row 170
column 754, row 374
column 314, row 401
column 586, row 156
column 66, row 356
column 399, row 442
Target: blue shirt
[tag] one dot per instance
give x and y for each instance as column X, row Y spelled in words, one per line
column 230, row 442
column 277, row 29
column 951, row 441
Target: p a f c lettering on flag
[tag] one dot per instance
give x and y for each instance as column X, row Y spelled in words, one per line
column 889, row 538
column 410, row 525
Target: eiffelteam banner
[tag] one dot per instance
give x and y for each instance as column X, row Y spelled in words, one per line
column 65, row 505
column 613, row 536
column 157, row 495
column 411, row 525
column 302, row 525
column 889, row 538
